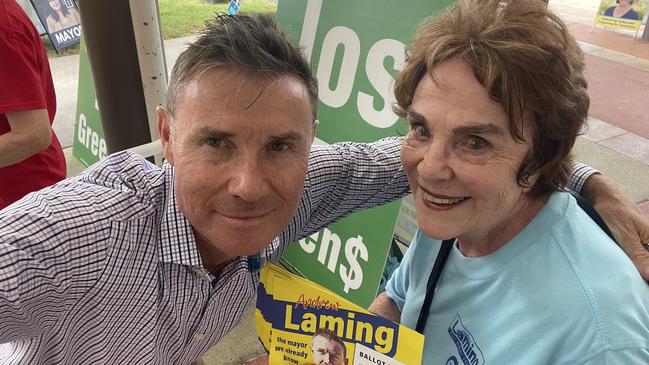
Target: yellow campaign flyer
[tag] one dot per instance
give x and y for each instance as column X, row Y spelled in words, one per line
column 300, row 322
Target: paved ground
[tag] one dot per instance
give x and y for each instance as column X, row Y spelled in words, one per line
column 617, row 69
column 616, row 142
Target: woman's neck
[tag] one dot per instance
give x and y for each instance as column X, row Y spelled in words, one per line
column 484, row 243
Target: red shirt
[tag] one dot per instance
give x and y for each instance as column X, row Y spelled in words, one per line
column 25, row 84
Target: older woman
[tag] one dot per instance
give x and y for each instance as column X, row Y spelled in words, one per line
column 495, row 96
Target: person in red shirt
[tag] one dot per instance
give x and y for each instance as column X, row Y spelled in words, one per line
column 30, row 154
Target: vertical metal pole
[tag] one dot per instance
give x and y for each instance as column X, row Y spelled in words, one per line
column 151, row 55
column 108, row 32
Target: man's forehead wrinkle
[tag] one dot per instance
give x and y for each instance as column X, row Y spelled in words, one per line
column 240, row 84
column 264, row 86
column 246, row 80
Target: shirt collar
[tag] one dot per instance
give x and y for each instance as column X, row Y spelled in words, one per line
column 178, row 244
column 177, row 240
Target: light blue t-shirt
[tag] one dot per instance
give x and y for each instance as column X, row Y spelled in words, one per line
column 560, row 292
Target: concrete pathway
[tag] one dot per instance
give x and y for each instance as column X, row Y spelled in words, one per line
column 617, row 69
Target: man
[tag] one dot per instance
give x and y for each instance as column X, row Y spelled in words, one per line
column 30, row 154
column 129, row 263
column 327, row 348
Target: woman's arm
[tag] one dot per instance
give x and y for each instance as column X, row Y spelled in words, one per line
column 386, row 308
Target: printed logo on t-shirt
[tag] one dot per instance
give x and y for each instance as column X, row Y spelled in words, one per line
column 468, row 350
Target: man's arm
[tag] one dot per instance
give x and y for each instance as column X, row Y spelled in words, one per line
column 30, row 133
column 31, row 296
column 347, row 177
column 44, row 267
column 626, row 221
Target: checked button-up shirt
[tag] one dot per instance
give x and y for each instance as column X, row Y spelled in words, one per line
column 103, row 268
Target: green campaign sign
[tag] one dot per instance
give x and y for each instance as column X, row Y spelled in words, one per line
column 89, row 145
column 356, row 48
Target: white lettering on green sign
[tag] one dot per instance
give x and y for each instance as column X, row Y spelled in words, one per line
column 90, row 139
column 329, row 244
column 380, row 79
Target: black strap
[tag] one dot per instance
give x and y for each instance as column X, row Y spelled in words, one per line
column 440, row 261
column 592, row 213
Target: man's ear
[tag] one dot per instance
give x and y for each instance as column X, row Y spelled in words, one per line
column 315, row 128
column 165, row 130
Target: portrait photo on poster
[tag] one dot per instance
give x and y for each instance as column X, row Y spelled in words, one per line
column 633, row 10
column 61, row 21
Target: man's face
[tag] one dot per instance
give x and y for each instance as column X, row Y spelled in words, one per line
column 327, row 352
column 240, row 153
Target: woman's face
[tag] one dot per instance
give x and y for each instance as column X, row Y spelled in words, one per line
column 625, row 2
column 55, row 4
column 461, row 159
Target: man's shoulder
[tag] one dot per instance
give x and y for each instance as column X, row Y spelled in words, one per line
column 123, row 170
column 124, row 175
column 120, row 186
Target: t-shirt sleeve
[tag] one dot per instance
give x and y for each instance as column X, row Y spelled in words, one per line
column 21, row 87
column 397, row 286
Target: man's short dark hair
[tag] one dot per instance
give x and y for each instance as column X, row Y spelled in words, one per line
column 253, row 44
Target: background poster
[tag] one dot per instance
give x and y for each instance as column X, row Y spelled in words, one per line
column 624, row 14
column 61, row 21
column 356, row 48
column 29, row 9
column 89, row 145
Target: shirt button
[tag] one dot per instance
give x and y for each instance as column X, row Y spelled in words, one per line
column 199, row 337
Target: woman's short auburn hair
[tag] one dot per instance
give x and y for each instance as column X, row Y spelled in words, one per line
column 524, row 56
